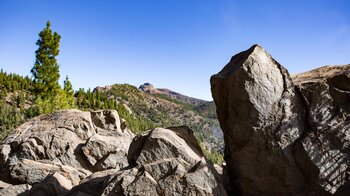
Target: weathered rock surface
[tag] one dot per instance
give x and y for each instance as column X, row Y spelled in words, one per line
column 93, row 184
column 31, row 172
column 166, row 162
column 4, row 185
column 283, row 137
column 106, row 152
column 14, row 190
column 54, row 184
column 69, row 143
column 327, row 142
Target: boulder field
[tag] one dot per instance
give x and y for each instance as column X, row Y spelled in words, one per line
column 71, row 152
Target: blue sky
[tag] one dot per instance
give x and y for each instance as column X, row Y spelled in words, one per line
column 176, row 44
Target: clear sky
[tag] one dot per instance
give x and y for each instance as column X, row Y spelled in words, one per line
column 176, row 44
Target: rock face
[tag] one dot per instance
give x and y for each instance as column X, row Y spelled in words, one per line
column 283, row 137
column 93, row 153
column 327, row 143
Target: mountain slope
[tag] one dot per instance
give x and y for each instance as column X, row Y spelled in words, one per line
column 165, row 109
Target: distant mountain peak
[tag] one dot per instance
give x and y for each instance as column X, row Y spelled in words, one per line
column 149, row 88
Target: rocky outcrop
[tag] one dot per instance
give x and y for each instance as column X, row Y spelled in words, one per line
column 283, row 137
column 70, row 144
column 166, row 162
column 148, row 88
column 75, row 153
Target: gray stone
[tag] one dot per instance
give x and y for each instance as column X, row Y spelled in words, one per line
column 166, row 162
column 70, row 142
column 4, row 185
column 31, row 172
column 4, row 153
column 21, row 189
column 54, row 184
column 282, row 138
column 106, row 152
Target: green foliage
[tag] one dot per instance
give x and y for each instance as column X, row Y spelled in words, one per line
column 10, row 117
column 32, row 112
column 48, row 94
column 213, row 156
column 44, row 105
column 51, row 104
column 69, row 93
column 87, row 100
column 13, row 82
column 207, row 109
column 15, row 90
column 136, row 123
column 46, row 70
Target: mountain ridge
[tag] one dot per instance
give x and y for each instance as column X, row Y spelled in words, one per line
column 149, row 88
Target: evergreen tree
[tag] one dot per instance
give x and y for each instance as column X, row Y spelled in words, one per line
column 49, row 95
column 46, row 69
column 68, row 89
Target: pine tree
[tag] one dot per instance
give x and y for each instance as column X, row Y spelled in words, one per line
column 68, row 89
column 46, row 69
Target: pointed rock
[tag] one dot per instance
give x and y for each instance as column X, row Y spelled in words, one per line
column 261, row 116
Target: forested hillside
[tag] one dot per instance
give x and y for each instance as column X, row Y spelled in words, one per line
column 15, row 101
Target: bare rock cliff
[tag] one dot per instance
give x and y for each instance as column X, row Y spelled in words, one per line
column 283, row 135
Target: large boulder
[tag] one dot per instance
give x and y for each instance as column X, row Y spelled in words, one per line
column 166, row 162
column 71, row 143
column 282, row 138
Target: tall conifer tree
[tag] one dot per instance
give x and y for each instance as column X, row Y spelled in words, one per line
column 46, row 70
